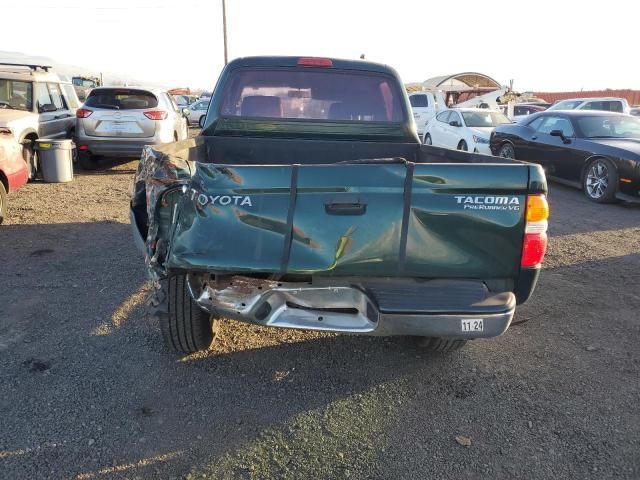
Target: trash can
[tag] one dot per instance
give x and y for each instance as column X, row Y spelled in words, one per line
column 56, row 159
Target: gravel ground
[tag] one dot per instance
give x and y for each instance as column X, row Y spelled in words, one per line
column 88, row 391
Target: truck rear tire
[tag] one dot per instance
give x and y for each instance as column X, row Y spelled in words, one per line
column 187, row 328
column 435, row 344
column 30, row 157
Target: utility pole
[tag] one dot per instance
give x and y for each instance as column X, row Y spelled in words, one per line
column 224, row 29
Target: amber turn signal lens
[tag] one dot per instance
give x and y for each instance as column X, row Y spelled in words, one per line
column 537, row 208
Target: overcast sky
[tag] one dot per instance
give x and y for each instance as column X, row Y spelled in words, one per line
column 542, row 44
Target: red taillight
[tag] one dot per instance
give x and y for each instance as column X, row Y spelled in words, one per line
column 156, row 114
column 83, row 147
column 83, row 113
column 533, row 249
column 315, row 62
column 534, row 245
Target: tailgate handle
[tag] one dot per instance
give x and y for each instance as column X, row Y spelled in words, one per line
column 345, row 206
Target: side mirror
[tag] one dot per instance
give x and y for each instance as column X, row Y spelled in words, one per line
column 185, row 112
column 454, row 123
column 201, row 121
column 558, row 133
column 47, row 107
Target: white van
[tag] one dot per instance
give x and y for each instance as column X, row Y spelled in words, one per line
column 424, row 107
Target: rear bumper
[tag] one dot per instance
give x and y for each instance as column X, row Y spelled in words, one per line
column 116, row 147
column 17, row 179
column 347, row 309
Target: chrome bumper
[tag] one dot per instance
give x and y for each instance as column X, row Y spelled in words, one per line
column 336, row 309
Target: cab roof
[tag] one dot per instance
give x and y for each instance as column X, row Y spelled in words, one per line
column 290, row 61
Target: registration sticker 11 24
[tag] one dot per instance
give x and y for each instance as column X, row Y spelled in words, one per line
column 472, row 325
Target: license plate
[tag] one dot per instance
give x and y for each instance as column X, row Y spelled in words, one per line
column 472, row 325
column 119, row 127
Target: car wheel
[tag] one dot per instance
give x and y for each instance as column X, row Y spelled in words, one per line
column 600, row 181
column 187, row 328
column 463, row 146
column 507, row 151
column 31, row 158
column 436, row 344
column 3, row 202
column 427, row 140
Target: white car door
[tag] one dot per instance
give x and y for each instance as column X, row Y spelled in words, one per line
column 453, row 134
column 437, row 131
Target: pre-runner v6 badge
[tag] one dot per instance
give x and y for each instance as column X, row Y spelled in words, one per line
column 488, row 202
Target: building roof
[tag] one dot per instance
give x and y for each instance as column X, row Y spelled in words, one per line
column 462, row 81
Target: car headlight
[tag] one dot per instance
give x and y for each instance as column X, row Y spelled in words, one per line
column 478, row 139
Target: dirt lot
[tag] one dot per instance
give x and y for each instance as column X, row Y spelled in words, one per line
column 87, row 390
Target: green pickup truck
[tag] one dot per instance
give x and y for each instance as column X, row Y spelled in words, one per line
column 308, row 202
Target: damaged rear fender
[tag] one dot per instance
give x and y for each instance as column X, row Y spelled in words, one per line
column 164, row 173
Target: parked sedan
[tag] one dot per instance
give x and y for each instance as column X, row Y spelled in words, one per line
column 598, row 152
column 463, row 129
column 197, row 111
column 14, row 172
column 119, row 121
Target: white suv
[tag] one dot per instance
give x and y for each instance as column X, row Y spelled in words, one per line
column 36, row 103
column 607, row 104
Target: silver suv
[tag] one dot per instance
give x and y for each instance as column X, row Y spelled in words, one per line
column 119, row 121
column 36, row 103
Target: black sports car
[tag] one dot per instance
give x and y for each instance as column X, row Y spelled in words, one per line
column 598, row 152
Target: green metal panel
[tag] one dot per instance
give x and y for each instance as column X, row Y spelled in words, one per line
column 453, row 232
column 348, row 244
column 457, row 227
column 237, row 237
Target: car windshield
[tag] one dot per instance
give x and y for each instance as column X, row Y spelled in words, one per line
column 609, row 126
column 566, row 105
column 121, row 99
column 16, row 94
column 313, row 95
column 484, row 119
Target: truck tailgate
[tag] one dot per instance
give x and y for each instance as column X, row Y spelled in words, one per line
column 371, row 219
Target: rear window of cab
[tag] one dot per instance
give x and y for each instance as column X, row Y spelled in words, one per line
column 312, row 95
column 121, row 99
